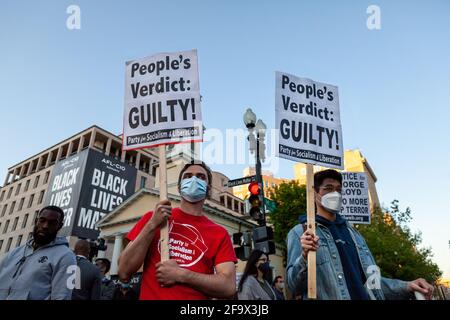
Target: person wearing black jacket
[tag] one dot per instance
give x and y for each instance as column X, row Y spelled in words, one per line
column 90, row 278
column 108, row 286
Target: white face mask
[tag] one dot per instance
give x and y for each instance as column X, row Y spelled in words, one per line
column 281, row 285
column 332, row 202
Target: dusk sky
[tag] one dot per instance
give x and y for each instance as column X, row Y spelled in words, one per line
column 393, row 82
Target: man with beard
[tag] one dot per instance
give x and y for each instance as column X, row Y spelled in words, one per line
column 39, row 269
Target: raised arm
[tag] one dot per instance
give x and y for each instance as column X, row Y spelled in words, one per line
column 134, row 254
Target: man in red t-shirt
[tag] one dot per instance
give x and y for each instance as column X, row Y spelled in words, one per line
column 202, row 259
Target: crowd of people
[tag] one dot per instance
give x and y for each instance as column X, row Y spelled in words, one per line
column 204, row 262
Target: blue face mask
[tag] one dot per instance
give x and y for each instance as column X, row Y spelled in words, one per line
column 193, row 189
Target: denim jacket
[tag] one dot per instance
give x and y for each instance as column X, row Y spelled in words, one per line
column 330, row 278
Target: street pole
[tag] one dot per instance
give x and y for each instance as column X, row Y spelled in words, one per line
column 260, row 127
column 262, row 221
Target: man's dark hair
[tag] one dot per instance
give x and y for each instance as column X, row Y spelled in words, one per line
column 106, row 262
column 204, row 166
column 55, row 209
column 320, row 176
column 276, row 280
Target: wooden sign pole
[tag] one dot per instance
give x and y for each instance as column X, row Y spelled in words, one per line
column 311, row 225
column 164, row 230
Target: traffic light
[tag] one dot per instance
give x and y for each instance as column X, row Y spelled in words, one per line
column 255, row 201
column 263, row 239
column 244, row 241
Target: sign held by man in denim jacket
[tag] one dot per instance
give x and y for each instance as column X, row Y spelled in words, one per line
column 307, row 116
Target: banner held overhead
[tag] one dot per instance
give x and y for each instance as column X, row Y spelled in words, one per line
column 307, row 116
column 162, row 101
column 308, row 119
column 162, row 106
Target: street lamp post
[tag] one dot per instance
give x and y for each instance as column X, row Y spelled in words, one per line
column 257, row 144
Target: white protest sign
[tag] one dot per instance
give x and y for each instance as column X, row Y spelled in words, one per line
column 307, row 116
column 162, row 101
column 355, row 197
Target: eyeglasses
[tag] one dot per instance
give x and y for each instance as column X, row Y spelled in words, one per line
column 330, row 188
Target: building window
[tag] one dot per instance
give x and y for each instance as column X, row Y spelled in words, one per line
column 19, row 240
column 36, row 182
column 242, row 208
column 53, row 155
column 6, row 227
column 222, row 200
column 21, row 204
column 1, row 245
column 8, row 245
column 18, row 189
column 27, row 185
column 229, row 205
column 33, row 169
column 9, row 193
column 2, row 196
column 30, row 202
column 4, row 209
column 47, row 175
column 14, row 226
column 143, row 182
column 35, row 215
column 41, row 197
column 24, row 221
column 12, row 207
column 236, row 206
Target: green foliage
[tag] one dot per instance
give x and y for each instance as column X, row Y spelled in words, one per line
column 393, row 245
column 290, row 201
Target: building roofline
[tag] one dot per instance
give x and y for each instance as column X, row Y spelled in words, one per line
column 61, row 142
column 68, row 139
column 369, row 168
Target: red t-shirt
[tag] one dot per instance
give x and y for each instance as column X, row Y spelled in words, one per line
column 197, row 243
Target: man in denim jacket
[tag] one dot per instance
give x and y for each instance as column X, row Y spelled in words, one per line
column 345, row 267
